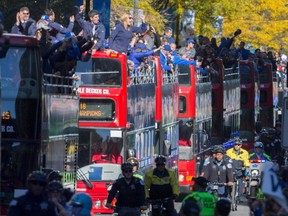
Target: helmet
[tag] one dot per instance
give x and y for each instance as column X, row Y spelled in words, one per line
column 134, row 161
column 82, row 200
column 238, row 141
column 37, row 176
column 54, row 175
column 220, row 149
column 258, row 144
column 126, row 166
column 55, row 186
column 160, row 160
column 271, row 131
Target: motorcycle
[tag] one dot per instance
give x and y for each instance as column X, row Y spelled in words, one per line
column 254, row 177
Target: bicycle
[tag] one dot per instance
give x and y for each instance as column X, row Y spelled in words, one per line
column 160, row 206
column 217, row 189
column 122, row 211
column 234, row 196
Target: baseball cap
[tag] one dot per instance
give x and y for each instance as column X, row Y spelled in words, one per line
column 201, row 181
column 45, row 17
column 167, row 48
column 190, row 41
column 42, row 25
column 141, row 46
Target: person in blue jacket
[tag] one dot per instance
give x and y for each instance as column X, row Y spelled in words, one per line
column 93, row 30
column 140, row 51
column 123, row 32
column 57, row 31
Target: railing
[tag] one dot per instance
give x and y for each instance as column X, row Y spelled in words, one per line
column 60, row 84
column 144, row 74
column 231, row 73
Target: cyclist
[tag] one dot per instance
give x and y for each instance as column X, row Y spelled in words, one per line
column 129, row 190
column 162, row 183
column 219, row 171
column 240, row 163
column 81, row 204
column 201, row 197
column 135, row 163
column 258, row 152
column 35, row 201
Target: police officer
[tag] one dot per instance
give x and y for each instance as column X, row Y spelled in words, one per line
column 35, row 201
column 240, row 162
column 161, row 183
column 258, row 152
column 203, row 199
column 219, row 170
column 135, row 163
column 130, row 191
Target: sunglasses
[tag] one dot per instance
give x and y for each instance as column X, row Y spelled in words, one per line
column 127, row 171
column 38, row 183
column 237, row 144
column 26, row 13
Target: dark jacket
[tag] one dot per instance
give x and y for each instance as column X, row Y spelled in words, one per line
column 25, row 28
column 58, row 31
column 87, row 28
column 30, row 205
column 120, row 37
column 129, row 195
column 222, row 173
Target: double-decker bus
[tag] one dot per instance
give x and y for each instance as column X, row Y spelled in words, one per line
column 39, row 118
column 225, row 102
column 250, row 108
column 166, row 118
column 268, row 96
column 195, row 115
column 116, row 121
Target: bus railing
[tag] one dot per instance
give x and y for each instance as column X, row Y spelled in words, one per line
column 144, row 74
column 59, row 84
column 231, row 73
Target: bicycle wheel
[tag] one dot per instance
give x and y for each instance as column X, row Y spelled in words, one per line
column 233, row 197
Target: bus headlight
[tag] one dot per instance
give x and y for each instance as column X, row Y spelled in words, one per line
column 97, row 204
column 181, row 178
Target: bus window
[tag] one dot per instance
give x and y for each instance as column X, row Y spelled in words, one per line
column 244, row 97
column 184, row 75
column 182, row 104
column 263, row 96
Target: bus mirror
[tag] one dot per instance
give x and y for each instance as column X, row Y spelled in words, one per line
column 131, row 152
column 227, row 132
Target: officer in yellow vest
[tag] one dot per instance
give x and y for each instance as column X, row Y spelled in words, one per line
column 205, row 200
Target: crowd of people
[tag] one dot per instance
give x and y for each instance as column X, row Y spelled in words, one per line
column 61, row 49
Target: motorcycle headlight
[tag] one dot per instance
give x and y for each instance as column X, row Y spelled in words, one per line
column 254, row 172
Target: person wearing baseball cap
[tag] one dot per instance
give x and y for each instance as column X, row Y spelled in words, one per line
column 200, row 197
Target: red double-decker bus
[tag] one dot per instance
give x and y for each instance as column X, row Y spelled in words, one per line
column 225, row 103
column 268, row 96
column 166, row 118
column 195, row 115
column 116, row 118
column 250, row 96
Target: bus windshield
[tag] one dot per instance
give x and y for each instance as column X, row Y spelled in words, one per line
column 184, row 75
column 100, row 72
column 99, row 146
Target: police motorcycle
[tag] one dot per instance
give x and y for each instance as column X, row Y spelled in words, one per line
column 254, row 176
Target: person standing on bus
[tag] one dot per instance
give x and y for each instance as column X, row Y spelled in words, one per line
column 24, row 24
column 201, row 197
column 122, row 34
column 35, row 202
column 129, row 190
column 162, row 183
column 57, row 31
column 93, row 30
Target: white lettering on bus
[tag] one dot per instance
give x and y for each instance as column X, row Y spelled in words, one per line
column 9, row 129
column 93, row 91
